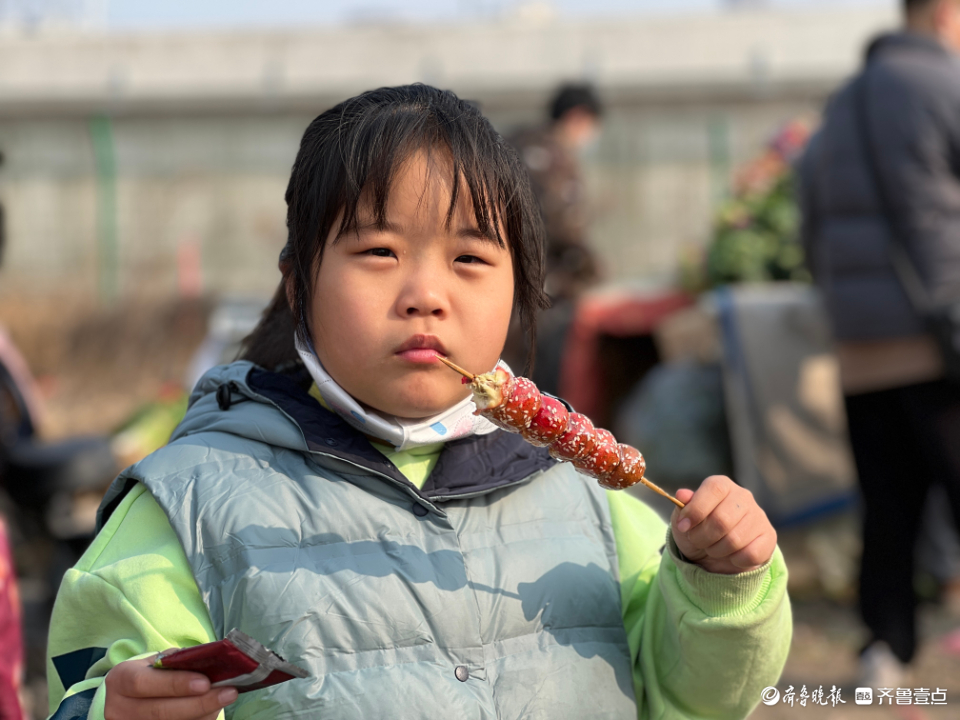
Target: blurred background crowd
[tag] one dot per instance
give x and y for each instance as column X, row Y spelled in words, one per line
column 144, row 152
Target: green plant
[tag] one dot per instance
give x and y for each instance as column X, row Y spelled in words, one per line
column 756, row 231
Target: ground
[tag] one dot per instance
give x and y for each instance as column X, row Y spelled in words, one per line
column 827, row 637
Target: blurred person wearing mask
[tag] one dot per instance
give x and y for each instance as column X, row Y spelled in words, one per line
column 904, row 418
column 551, row 153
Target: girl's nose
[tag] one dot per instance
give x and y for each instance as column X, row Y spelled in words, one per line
column 412, row 310
column 423, row 296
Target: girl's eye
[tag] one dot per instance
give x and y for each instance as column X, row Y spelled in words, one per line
column 469, row 259
column 380, row 252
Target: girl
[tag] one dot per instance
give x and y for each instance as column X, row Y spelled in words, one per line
column 333, row 495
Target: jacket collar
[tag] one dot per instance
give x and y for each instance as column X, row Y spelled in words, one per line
column 905, row 40
column 467, row 467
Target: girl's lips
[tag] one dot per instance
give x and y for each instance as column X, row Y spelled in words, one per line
column 419, row 355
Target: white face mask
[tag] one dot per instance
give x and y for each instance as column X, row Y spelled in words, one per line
column 589, row 150
column 451, row 424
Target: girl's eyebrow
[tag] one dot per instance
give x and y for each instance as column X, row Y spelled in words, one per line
column 467, row 231
column 475, row 233
column 385, row 226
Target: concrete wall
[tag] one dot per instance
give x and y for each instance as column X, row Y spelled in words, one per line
column 201, row 130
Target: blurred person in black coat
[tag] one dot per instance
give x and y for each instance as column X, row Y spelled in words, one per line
column 904, row 418
column 550, row 152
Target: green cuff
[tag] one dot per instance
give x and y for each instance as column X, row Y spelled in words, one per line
column 98, row 707
column 719, row 595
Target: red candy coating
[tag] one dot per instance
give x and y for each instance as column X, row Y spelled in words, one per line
column 577, row 442
column 629, row 471
column 515, row 404
column 604, row 458
column 518, row 409
column 548, row 424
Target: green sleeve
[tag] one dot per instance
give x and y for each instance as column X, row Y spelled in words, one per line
column 703, row 645
column 131, row 595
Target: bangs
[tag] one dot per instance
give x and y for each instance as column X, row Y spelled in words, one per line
column 384, row 142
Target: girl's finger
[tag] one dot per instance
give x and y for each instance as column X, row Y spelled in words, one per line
column 139, row 679
column 724, row 518
column 184, row 708
column 710, row 493
column 684, row 495
column 756, row 553
column 737, row 538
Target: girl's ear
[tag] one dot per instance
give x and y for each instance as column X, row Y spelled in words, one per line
column 290, row 287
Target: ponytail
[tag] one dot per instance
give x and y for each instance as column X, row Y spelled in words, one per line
column 270, row 345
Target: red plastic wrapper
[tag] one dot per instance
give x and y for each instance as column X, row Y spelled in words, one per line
column 236, row 661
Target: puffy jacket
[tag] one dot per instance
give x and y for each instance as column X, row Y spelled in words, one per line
column 494, row 591
column 913, row 109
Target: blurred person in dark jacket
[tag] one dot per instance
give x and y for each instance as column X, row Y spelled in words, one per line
column 550, row 153
column 904, row 418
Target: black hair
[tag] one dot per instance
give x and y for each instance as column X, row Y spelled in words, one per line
column 911, row 5
column 571, row 96
column 350, row 154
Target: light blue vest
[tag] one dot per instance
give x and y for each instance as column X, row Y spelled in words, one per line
column 501, row 605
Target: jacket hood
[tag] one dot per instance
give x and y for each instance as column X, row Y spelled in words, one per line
column 225, row 401
column 246, row 401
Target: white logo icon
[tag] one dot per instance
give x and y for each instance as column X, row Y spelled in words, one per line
column 770, row 696
column 863, row 696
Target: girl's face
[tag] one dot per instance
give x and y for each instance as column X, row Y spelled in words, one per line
column 386, row 302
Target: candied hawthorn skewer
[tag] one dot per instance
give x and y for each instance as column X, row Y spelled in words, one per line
column 577, row 441
column 515, row 404
column 549, row 424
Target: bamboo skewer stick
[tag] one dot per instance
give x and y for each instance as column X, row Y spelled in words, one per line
column 660, row 491
column 469, row 375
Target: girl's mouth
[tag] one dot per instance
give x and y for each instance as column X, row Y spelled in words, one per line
column 419, row 355
column 421, row 349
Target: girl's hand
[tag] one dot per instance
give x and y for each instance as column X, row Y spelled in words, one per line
column 135, row 690
column 722, row 529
